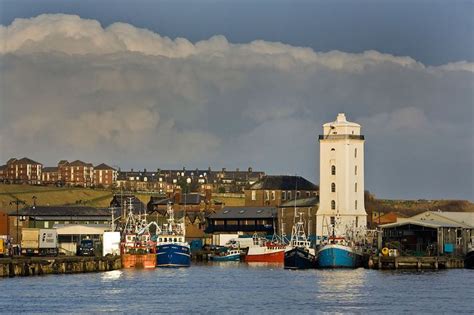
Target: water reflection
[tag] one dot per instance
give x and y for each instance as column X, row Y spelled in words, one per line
column 111, row 275
column 341, row 284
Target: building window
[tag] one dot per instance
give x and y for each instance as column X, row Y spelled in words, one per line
column 46, row 224
column 308, row 194
column 254, row 195
column 333, row 187
column 333, row 221
column 298, row 194
column 355, row 204
column 355, row 170
column 267, row 195
column 273, row 195
column 355, row 187
column 289, row 195
column 333, row 170
column 355, row 152
column 333, row 204
column 357, row 221
column 283, row 195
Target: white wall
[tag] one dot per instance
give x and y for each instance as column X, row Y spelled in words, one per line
column 338, row 146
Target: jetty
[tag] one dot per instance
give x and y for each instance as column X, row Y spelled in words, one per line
column 414, row 262
column 35, row 266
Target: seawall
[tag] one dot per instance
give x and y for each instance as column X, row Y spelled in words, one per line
column 34, row 266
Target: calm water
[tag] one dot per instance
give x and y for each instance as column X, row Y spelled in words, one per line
column 242, row 288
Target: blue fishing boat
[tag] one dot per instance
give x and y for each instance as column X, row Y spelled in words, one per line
column 339, row 253
column 299, row 253
column 230, row 255
column 171, row 248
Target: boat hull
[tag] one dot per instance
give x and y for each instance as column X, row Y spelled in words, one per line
column 469, row 260
column 173, row 255
column 235, row 257
column 277, row 256
column 138, row 261
column 338, row 256
column 299, row 258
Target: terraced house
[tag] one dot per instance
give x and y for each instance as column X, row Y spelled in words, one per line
column 22, row 171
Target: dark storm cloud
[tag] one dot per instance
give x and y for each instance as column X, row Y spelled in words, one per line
column 128, row 96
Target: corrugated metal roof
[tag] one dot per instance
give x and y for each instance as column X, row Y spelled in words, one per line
column 245, row 212
column 430, row 224
column 63, row 211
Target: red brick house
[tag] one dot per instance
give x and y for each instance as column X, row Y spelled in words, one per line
column 50, row 175
column 104, row 175
column 76, row 173
column 23, row 171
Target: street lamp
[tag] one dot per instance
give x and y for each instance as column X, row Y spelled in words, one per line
column 17, row 202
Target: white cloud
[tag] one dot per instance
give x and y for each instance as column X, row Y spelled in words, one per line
column 124, row 95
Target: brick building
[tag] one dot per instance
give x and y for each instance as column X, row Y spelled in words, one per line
column 21, row 171
column 76, row 173
column 275, row 190
column 50, row 175
column 104, row 175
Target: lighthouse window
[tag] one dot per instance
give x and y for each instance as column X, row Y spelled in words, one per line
column 355, row 205
column 355, row 170
column 357, row 221
column 355, row 152
column 355, row 187
column 333, row 221
column 333, row 187
column 333, row 149
column 333, row 204
column 333, row 170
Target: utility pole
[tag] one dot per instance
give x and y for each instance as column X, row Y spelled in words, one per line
column 17, row 202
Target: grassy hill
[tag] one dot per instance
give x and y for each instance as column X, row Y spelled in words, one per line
column 55, row 196
column 52, row 196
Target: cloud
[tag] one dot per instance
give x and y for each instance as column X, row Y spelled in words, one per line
column 70, row 88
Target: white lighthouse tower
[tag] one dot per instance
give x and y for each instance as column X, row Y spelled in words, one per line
column 341, row 192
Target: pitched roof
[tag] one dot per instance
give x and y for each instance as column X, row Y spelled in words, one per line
column 23, row 160
column 79, row 163
column 284, row 182
column 63, row 211
column 104, row 166
column 301, row 202
column 245, row 212
column 190, row 199
column 49, row 169
column 124, row 201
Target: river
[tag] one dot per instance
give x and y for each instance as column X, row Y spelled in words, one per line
column 242, row 288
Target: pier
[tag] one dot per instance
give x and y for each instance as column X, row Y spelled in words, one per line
column 35, row 266
column 413, row 262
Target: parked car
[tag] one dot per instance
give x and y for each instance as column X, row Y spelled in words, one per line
column 86, row 248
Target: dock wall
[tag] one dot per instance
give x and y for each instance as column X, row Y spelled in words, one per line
column 412, row 262
column 33, row 266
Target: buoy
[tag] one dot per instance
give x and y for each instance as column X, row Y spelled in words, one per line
column 385, row 251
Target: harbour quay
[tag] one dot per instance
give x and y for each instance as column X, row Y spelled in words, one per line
column 35, row 266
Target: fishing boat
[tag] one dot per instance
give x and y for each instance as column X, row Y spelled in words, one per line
column 136, row 248
column 339, row 253
column 171, row 248
column 299, row 253
column 229, row 255
column 138, row 251
column 263, row 250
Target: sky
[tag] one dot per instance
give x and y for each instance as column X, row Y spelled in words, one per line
column 194, row 84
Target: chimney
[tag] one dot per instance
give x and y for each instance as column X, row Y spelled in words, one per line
column 237, row 170
column 250, row 170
